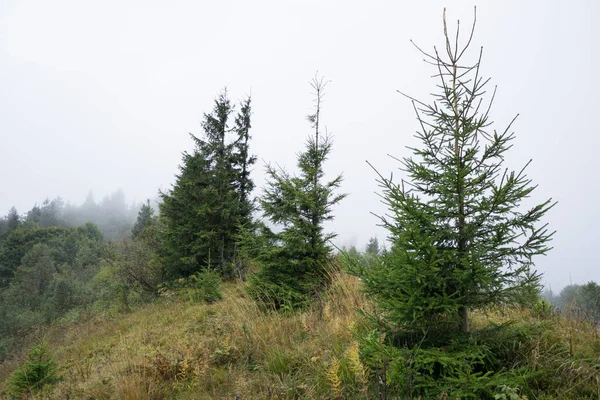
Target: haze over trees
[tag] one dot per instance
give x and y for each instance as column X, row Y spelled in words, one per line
column 112, row 215
column 51, row 257
column 582, row 301
column 449, row 306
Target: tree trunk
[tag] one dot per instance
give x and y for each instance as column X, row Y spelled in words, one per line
column 460, row 189
column 464, row 319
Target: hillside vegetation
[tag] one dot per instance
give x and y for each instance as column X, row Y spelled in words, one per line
column 178, row 348
column 207, row 299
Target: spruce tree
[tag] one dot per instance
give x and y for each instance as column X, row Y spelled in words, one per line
column 294, row 268
column 210, row 199
column 243, row 161
column 461, row 237
column 372, row 247
column 13, row 219
column 145, row 217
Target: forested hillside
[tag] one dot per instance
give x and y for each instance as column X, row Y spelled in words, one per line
column 223, row 290
column 56, row 261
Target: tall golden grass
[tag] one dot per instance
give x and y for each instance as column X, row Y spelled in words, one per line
column 177, row 349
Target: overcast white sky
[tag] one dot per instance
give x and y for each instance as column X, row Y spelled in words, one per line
column 101, row 95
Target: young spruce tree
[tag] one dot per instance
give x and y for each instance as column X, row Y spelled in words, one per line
column 460, row 237
column 145, row 218
column 294, row 268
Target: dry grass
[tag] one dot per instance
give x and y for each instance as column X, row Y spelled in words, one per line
column 176, row 349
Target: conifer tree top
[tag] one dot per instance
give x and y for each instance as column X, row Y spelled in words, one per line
column 461, row 238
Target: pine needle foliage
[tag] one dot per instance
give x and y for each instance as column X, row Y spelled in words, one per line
column 210, row 199
column 38, row 370
column 295, row 267
column 145, row 218
column 461, row 237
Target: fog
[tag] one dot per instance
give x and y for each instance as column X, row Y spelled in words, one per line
column 101, row 96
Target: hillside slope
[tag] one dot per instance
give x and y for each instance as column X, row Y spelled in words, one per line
column 176, row 348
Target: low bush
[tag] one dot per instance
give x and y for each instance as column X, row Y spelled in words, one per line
column 37, row 371
column 204, row 287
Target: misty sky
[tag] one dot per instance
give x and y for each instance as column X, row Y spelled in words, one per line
column 101, row 96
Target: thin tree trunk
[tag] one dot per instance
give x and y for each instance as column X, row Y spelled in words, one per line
column 460, row 191
column 463, row 312
column 221, row 183
column 222, row 253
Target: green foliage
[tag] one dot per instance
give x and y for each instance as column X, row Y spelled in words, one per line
column 111, row 292
column 112, row 215
column 328, row 350
column 19, row 242
column 202, row 287
column 206, row 287
column 373, row 247
column 63, row 294
column 12, row 320
column 48, row 214
column 279, row 291
column 38, row 370
column 295, row 268
column 65, row 243
column 542, row 308
column 210, row 200
column 90, row 231
column 252, row 241
column 508, row 393
column 13, row 220
column 130, row 273
column 50, row 269
column 531, row 357
column 145, row 218
column 137, row 265
column 589, row 299
column 32, row 279
column 460, row 237
column 371, row 256
column 484, row 366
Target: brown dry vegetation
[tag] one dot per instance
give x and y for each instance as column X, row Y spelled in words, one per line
column 178, row 349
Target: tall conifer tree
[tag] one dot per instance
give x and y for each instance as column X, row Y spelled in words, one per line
column 13, row 219
column 210, row 198
column 243, row 161
column 145, row 218
column 295, row 267
column 461, row 237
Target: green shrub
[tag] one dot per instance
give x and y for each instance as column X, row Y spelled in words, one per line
column 542, row 308
column 38, row 370
column 508, row 393
column 478, row 366
column 206, row 287
column 277, row 296
column 111, row 293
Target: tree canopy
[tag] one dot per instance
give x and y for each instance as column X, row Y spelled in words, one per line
column 210, row 199
column 294, row 267
column 461, row 237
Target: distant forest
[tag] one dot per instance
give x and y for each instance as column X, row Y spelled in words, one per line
column 111, row 215
column 50, row 258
